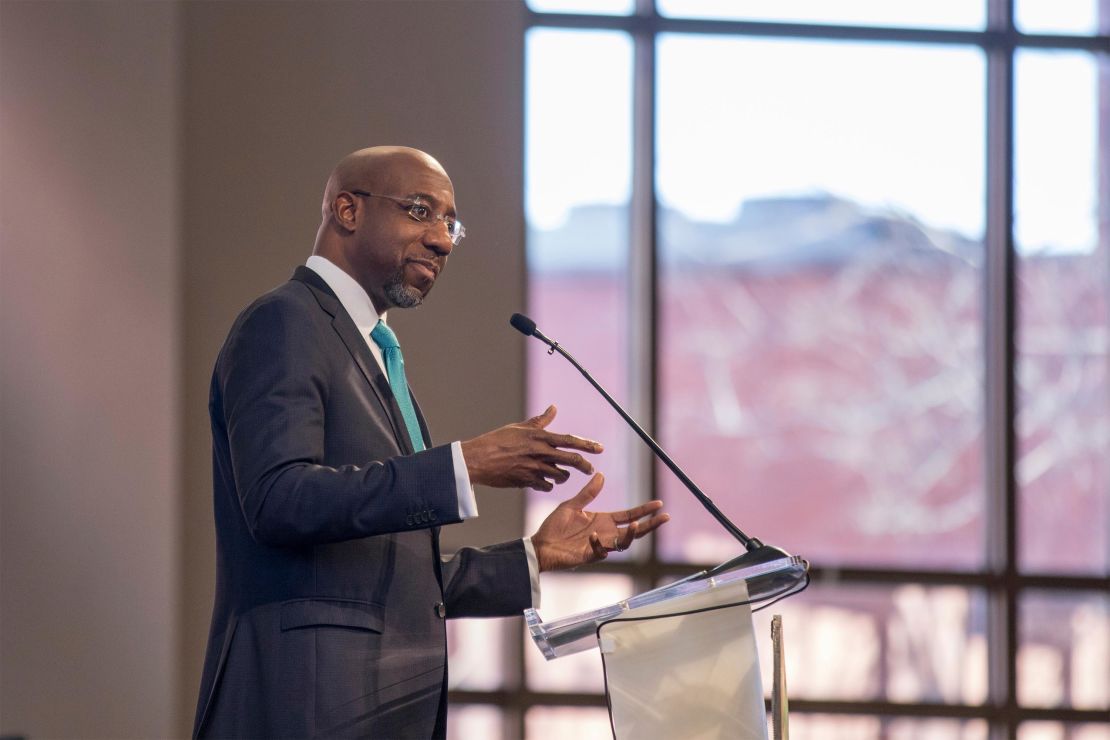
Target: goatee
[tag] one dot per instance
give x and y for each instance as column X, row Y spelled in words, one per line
column 399, row 294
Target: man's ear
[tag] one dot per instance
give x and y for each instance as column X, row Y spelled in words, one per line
column 345, row 211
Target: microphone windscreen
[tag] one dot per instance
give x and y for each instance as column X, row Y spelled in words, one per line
column 523, row 324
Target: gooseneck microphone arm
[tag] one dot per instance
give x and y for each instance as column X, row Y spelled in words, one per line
column 527, row 327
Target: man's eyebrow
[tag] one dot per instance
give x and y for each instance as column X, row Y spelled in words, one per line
column 428, row 197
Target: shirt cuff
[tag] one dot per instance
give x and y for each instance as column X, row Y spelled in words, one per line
column 533, row 571
column 468, row 508
column 468, row 504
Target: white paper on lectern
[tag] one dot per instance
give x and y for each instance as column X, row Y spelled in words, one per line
column 694, row 677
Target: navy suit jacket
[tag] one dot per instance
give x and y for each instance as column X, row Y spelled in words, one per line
column 330, row 593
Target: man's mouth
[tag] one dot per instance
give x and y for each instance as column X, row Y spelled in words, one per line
column 427, row 270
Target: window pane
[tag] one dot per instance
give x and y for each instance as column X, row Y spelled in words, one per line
column 935, row 729
column 847, row 727
column 560, row 723
column 870, row 643
column 1064, row 650
column 1062, row 731
column 1063, row 339
column 947, row 14
column 591, row 7
column 564, row 595
column 476, row 653
column 474, row 720
column 578, row 158
column 1058, row 16
column 820, row 340
column 834, row 727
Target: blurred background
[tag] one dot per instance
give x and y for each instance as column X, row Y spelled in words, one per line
column 848, row 260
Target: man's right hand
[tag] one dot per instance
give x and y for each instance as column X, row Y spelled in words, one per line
column 526, row 455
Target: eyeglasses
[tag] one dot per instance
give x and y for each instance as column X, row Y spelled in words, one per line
column 420, row 211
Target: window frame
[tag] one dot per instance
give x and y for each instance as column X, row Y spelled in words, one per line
column 1001, row 579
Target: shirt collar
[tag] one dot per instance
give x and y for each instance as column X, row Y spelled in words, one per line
column 348, row 291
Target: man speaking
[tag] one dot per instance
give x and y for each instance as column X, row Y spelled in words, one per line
column 331, row 593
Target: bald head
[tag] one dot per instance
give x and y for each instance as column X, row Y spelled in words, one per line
column 368, row 230
column 375, row 169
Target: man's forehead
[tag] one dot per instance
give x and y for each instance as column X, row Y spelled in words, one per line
column 424, row 183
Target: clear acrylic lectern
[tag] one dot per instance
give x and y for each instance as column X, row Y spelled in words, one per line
column 578, row 632
column 681, row 660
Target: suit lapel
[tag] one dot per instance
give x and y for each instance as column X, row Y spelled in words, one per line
column 348, row 333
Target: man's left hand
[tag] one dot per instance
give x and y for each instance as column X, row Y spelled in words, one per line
column 571, row 536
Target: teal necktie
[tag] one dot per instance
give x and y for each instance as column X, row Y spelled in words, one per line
column 384, row 337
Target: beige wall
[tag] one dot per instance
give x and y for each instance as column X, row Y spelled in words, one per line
column 161, row 164
column 89, row 369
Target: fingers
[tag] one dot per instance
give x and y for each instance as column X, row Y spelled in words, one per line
column 556, row 474
column 572, row 442
column 568, row 441
column 543, row 419
column 652, row 524
column 571, row 460
column 527, row 455
column 549, row 459
column 598, row 549
column 588, row 493
column 619, row 539
column 626, row 535
column 543, row 477
column 638, row 512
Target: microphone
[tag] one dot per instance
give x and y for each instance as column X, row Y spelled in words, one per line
column 756, row 553
column 527, row 327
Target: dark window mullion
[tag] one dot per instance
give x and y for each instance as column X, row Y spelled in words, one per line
column 999, row 381
column 643, row 275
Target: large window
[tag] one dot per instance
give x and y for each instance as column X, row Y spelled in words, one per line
column 849, row 261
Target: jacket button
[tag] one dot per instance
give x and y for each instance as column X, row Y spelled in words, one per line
column 441, row 610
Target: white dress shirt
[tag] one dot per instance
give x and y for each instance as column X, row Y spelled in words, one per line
column 361, row 310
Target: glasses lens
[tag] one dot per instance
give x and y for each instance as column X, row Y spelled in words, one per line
column 420, row 212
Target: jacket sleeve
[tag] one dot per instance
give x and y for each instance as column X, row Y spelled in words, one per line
column 487, row 581
column 270, row 391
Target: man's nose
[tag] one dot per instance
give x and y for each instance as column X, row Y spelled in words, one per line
column 438, row 239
